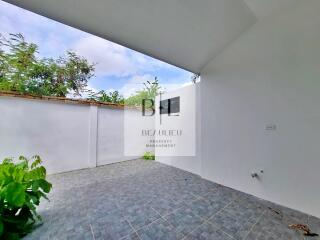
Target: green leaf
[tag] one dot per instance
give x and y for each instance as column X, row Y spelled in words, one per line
column 18, row 174
column 7, row 160
column 36, row 173
column 1, row 227
column 13, row 236
column 43, row 184
column 21, row 188
column 23, row 159
column 37, row 161
column 15, row 194
column 34, row 197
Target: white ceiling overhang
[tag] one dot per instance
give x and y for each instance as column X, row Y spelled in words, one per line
column 185, row 33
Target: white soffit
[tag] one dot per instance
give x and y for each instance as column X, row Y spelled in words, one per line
column 263, row 8
column 185, row 33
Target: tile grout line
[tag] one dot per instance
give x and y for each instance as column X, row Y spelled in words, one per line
column 195, row 227
column 217, row 227
column 206, row 220
column 220, row 229
column 133, row 229
column 198, row 197
column 193, row 230
column 221, row 209
column 254, row 225
column 226, row 207
column 92, row 231
column 146, row 226
column 163, row 218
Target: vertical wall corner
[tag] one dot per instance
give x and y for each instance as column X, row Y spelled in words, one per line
column 93, row 136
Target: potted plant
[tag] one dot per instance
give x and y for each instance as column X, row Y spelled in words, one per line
column 22, row 185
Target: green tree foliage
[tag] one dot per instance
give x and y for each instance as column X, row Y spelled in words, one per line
column 148, row 156
column 21, row 70
column 150, row 91
column 22, row 185
column 103, row 96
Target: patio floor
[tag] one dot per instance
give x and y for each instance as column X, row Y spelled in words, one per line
column 147, row 200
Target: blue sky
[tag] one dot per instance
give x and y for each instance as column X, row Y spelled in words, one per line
column 117, row 67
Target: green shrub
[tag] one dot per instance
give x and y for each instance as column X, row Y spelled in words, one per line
column 22, row 185
column 148, row 156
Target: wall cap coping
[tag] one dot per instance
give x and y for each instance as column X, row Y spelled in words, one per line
column 61, row 99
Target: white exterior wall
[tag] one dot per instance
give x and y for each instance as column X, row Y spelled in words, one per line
column 270, row 75
column 66, row 136
column 112, row 136
column 135, row 143
column 188, row 120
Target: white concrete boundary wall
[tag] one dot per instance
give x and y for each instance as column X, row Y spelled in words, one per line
column 66, row 136
column 111, row 135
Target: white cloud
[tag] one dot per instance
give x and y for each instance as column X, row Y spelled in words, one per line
column 52, row 37
column 144, row 62
column 135, row 84
column 5, row 25
column 187, row 84
column 115, row 60
column 110, row 58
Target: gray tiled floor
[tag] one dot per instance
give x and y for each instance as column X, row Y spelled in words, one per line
column 141, row 200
